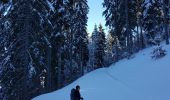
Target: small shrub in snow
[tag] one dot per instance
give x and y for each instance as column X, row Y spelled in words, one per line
column 158, row 52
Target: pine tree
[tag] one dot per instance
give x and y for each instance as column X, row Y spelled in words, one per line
column 80, row 37
column 109, row 47
column 93, row 47
column 98, row 42
column 102, row 44
column 27, row 47
column 70, row 39
column 121, row 18
column 112, row 19
column 153, row 21
column 18, row 55
column 36, row 36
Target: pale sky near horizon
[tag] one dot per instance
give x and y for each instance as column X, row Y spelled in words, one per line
column 95, row 15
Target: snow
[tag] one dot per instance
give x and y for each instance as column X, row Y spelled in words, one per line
column 61, row 9
column 50, row 23
column 31, row 70
column 48, row 42
column 5, row 48
column 7, row 10
column 147, row 4
column 140, row 78
column 50, row 5
column 65, row 2
column 1, row 6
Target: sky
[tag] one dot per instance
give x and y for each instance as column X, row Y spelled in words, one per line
column 95, row 15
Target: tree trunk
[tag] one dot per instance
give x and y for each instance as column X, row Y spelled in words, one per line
column 49, row 77
column 25, row 36
column 59, row 70
column 165, row 9
column 129, row 35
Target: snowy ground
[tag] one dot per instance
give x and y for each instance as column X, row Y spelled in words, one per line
column 140, row 78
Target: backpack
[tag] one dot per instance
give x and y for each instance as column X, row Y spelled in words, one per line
column 72, row 94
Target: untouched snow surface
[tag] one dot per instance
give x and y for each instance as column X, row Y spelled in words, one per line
column 140, row 78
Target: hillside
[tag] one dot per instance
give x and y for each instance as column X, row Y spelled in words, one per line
column 140, row 78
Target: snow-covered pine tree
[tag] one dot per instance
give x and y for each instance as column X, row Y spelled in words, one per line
column 99, row 45
column 121, row 18
column 131, row 23
column 27, row 47
column 80, row 37
column 70, row 64
column 15, row 83
column 58, row 41
column 114, row 21
column 5, row 62
column 35, row 41
column 152, row 22
column 92, row 48
column 68, row 38
column 109, row 47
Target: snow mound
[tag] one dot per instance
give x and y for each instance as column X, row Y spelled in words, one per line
column 140, row 78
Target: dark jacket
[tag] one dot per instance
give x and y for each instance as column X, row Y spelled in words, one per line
column 77, row 95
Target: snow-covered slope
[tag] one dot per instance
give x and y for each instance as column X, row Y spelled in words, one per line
column 140, row 78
